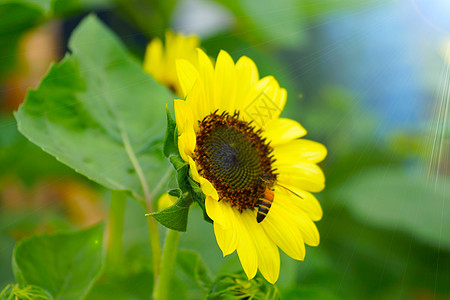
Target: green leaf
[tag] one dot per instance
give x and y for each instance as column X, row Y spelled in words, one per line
column 65, row 265
column 26, row 161
column 394, row 199
column 194, row 267
column 176, row 216
column 99, row 113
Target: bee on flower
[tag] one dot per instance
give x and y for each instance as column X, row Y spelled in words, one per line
column 255, row 171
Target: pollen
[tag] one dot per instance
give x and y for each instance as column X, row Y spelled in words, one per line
column 235, row 158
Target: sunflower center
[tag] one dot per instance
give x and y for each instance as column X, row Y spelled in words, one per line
column 234, row 157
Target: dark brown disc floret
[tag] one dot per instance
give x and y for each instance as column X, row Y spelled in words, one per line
column 235, row 158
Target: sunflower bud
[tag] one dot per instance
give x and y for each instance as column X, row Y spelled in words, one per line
column 234, row 286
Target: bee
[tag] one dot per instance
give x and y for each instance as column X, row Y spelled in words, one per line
column 266, row 199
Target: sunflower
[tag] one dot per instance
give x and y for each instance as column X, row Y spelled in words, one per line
column 243, row 155
column 160, row 62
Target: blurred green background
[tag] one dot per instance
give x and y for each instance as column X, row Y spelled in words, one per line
column 369, row 79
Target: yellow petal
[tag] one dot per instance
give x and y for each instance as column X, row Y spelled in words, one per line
column 194, row 91
column 246, row 78
column 301, row 199
column 208, row 189
column 302, row 221
column 201, row 106
column 206, row 70
column 261, row 103
column 224, row 83
column 227, row 237
column 247, row 72
column 272, row 91
column 186, row 143
column 283, row 130
column 153, row 58
column 160, row 61
column 173, row 48
column 282, row 98
column 229, row 213
column 187, row 75
column 267, row 251
column 246, row 249
column 310, row 233
column 215, row 211
column 191, row 42
column 302, row 175
column 170, row 37
column 284, row 232
column 193, row 169
column 183, row 115
column 303, row 150
column 206, row 186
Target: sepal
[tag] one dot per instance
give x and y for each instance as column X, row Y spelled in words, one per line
column 188, row 191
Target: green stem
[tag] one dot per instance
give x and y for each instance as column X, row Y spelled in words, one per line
column 114, row 252
column 153, row 226
column 155, row 246
column 163, row 283
column 147, row 201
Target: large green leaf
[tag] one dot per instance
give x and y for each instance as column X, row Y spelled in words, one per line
column 65, row 265
column 393, row 199
column 99, row 113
